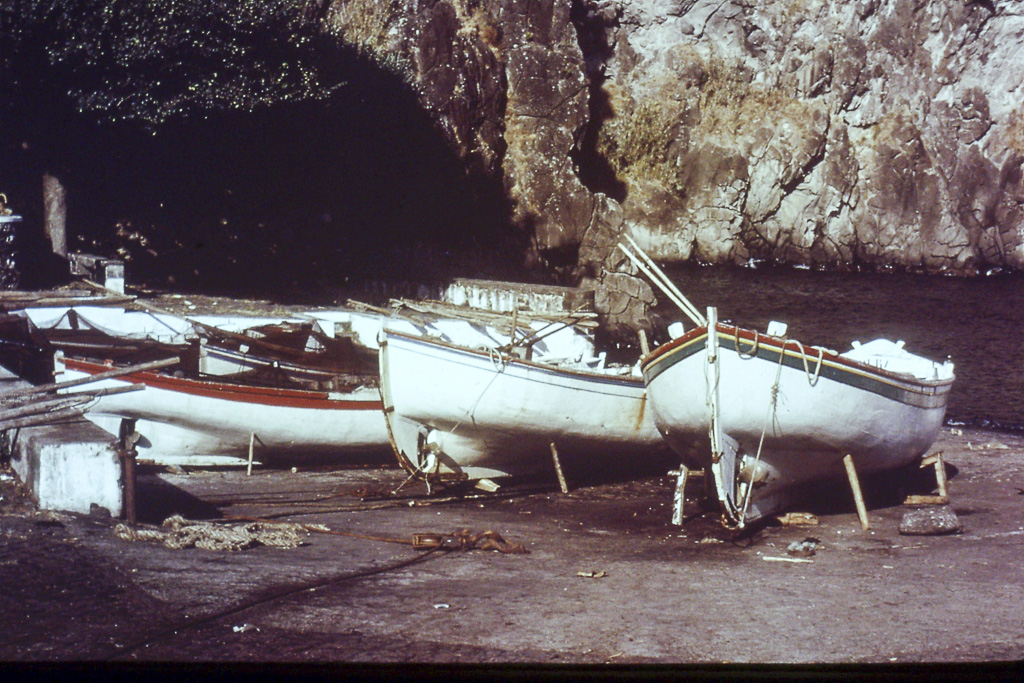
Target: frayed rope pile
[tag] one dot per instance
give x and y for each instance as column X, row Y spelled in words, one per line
column 178, row 532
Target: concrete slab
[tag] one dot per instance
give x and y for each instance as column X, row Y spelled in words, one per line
column 69, row 466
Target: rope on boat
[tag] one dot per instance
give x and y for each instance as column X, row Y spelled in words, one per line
column 421, row 468
column 498, row 369
column 807, row 370
column 497, row 359
column 769, row 416
column 753, row 349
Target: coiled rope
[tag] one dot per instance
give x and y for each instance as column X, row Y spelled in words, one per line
column 817, row 370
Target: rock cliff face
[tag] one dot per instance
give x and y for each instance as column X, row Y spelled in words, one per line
column 887, row 133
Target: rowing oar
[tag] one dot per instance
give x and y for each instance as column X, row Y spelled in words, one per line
column 658, row 277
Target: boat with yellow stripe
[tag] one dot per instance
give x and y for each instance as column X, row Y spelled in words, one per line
column 785, row 414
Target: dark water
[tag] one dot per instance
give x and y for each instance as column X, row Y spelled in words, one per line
column 977, row 322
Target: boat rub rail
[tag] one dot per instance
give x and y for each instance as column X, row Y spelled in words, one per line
column 899, row 387
column 293, row 398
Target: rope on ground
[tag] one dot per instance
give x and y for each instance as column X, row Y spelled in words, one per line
column 463, row 539
column 177, row 533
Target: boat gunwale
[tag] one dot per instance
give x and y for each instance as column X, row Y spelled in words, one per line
column 239, row 393
column 791, row 348
column 624, row 380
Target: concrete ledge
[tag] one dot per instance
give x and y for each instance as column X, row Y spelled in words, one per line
column 70, row 466
column 504, row 297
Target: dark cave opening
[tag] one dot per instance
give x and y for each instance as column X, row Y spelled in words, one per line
column 593, row 29
column 288, row 197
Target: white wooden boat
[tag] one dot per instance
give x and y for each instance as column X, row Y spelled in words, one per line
column 177, row 416
column 786, row 414
column 460, row 412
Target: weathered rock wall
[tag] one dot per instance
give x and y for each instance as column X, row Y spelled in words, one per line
column 877, row 132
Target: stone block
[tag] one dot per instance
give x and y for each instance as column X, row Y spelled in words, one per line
column 934, row 520
column 71, row 466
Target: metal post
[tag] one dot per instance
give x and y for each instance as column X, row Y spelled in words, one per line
column 127, row 438
column 252, row 443
column 679, row 499
column 723, row 447
column 713, row 372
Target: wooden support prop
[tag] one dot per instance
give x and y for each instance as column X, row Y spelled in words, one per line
column 558, row 469
column 645, row 348
column 252, row 445
column 940, row 475
column 858, row 499
column 679, row 498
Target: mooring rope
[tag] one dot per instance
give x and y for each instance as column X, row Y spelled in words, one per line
column 769, row 416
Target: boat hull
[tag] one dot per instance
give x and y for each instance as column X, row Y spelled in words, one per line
column 802, row 408
column 485, row 414
column 178, row 416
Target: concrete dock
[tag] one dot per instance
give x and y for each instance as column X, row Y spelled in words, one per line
column 607, row 579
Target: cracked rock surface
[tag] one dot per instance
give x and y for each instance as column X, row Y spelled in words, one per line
column 885, row 133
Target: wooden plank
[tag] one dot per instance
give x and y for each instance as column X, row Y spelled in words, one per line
column 110, row 374
column 926, row 500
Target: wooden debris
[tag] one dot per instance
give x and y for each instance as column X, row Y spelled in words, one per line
column 439, row 309
column 926, row 500
column 768, row 558
column 31, row 411
column 13, row 300
column 798, row 519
